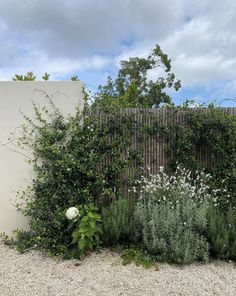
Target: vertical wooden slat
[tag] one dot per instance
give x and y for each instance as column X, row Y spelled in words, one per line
column 154, row 153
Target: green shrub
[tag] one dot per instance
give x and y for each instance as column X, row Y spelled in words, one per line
column 118, row 222
column 173, row 233
column 75, row 163
column 222, row 233
column 88, row 231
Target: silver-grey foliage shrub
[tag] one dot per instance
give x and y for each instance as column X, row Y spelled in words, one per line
column 171, row 215
column 173, row 233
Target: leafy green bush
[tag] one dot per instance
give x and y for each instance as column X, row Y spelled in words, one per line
column 88, row 230
column 72, row 166
column 118, row 222
column 222, row 232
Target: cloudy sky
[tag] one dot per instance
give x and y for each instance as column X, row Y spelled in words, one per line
column 88, row 38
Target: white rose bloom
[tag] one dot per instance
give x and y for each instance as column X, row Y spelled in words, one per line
column 72, row 213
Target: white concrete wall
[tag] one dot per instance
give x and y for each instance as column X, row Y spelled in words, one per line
column 15, row 172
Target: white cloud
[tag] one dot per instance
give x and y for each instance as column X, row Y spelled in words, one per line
column 202, row 51
column 56, row 67
column 64, row 37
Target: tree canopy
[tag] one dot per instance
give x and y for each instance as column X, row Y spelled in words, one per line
column 133, row 89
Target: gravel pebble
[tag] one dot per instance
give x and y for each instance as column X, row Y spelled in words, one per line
column 34, row 274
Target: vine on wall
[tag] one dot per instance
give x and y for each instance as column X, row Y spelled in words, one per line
column 77, row 161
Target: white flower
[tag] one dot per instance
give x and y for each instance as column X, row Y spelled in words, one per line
column 72, row 213
column 161, row 169
column 90, row 128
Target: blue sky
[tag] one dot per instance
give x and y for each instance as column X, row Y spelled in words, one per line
column 88, row 38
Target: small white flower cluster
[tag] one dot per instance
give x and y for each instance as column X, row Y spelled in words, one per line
column 72, row 213
column 91, row 128
column 177, row 187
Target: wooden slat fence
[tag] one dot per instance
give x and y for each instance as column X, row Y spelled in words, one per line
column 155, row 153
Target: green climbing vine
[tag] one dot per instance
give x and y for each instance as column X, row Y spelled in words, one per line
column 210, row 132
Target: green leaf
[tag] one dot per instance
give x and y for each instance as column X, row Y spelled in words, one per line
column 75, row 236
column 85, row 219
column 97, row 238
column 97, row 217
column 70, row 226
column 90, row 245
column 92, row 224
column 81, row 244
column 91, row 215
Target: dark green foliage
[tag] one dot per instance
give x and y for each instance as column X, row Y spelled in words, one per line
column 118, row 224
column 24, row 244
column 132, row 88
column 222, row 233
column 138, row 256
column 46, row 76
column 74, row 78
column 28, row 77
column 173, row 233
column 212, row 132
column 70, row 169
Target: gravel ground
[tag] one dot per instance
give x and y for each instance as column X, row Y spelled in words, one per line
column 34, row 274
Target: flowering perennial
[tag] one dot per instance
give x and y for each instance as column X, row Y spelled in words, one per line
column 72, row 213
column 162, row 187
